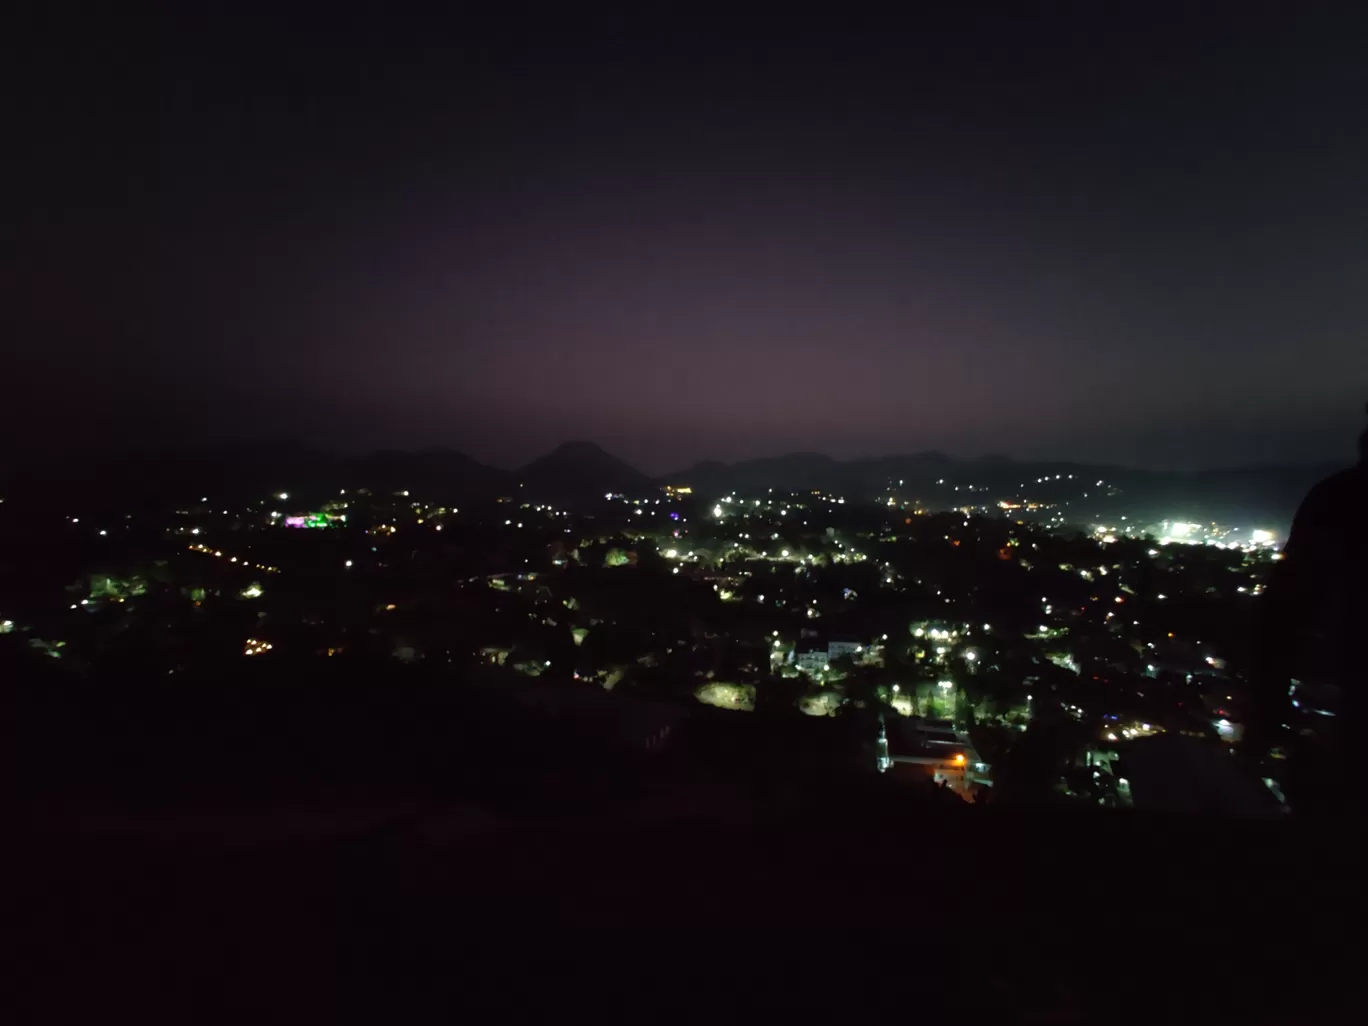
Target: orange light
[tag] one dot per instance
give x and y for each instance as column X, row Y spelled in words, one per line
column 959, row 760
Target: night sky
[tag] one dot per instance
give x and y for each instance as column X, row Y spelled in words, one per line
column 1107, row 232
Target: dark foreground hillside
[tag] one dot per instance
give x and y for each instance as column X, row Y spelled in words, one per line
column 315, row 851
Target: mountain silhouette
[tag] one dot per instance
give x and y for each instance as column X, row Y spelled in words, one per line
column 438, row 473
column 581, row 470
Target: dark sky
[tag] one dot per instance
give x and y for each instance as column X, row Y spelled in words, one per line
column 1111, row 231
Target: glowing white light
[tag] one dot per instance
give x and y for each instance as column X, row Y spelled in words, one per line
column 282, row 496
column 347, row 563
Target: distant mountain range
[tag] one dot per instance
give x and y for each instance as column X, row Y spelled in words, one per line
column 582, row 472
column 1268, row 495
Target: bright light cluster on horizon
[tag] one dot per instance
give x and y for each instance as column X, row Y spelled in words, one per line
column 1180, row 532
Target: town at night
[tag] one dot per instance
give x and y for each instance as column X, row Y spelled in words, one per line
column 943, row 634
column 542, row 512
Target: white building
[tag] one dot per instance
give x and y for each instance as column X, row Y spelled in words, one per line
column 810, row 660
column 841, row 648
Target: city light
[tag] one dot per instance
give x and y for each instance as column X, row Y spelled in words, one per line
column 916, row 574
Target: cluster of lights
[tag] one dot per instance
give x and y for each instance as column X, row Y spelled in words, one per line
column 255, row 646
column 936, row 633
column 1180, row 532
column 232, row 559
column 1140, row 730
column 313, row 519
